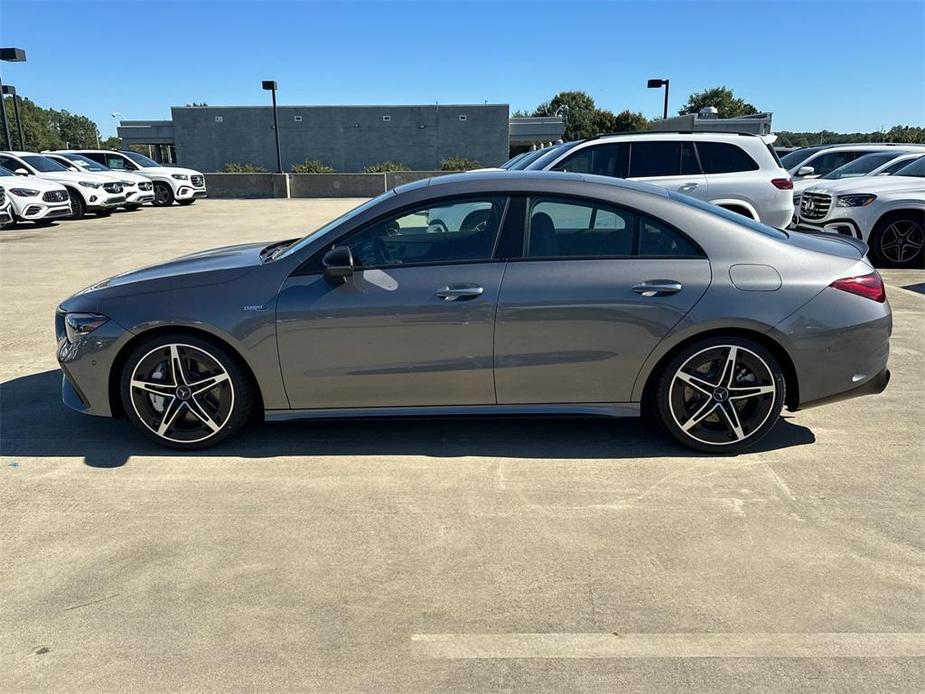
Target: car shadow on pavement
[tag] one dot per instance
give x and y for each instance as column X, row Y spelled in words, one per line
column 35, row 423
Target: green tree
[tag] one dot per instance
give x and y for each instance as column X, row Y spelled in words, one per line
column 74, row 130
column 727, row 103
column 578, row 112
column 114, row 142
column 626, row 121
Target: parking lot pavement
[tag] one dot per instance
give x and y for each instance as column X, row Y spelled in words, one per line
column 447, row 556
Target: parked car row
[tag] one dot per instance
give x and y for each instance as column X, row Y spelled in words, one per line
column 44, row 187
column 743, row 174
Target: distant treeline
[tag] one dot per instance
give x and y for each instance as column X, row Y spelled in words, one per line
column 898, row 133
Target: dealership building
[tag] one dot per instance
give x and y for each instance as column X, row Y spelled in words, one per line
column 347, row 138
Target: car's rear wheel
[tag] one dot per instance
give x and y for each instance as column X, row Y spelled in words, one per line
column 163, row 195
column 721, row 394
column 185, row 392
column 899, row 239
column 78, row 208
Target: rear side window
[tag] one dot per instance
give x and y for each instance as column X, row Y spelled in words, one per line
column 657, row 238
column 662, row 159
column 600, row 160
column 724, row 157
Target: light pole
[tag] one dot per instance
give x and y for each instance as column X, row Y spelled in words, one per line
column 270, row 86
column 10, row 55
column 11, row 90
column 658, row 84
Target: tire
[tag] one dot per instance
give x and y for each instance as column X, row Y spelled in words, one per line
column 78, row 208
column 709, row 407
column 898, row 240
column 186, row 202
column 163, row 195
column 170, row 410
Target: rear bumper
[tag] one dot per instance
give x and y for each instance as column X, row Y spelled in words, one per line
column 874, row 386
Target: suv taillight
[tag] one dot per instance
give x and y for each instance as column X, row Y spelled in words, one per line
column 782, row 183
column 869, row 286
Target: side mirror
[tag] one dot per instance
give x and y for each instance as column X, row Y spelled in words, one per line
column 21, row 172
column 805, row 171
column 338, row 264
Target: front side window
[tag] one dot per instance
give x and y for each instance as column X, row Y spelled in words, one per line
column 447, row 232
column 117, row 162
column 723, row 157
column 10, row 163
column 600, row 160
column 577, row 229
column 829, row 161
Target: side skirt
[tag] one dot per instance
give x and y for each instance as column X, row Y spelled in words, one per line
column 599, row 409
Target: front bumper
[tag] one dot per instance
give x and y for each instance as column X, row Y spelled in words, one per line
column 5, row 216
column 35, row 209
column 845, row 226
column 189, row 193
column 136, row 196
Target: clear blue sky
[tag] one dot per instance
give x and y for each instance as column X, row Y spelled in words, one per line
column 846, row 66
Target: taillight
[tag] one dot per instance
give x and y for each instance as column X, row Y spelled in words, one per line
column 782, row 183
column 869, row 286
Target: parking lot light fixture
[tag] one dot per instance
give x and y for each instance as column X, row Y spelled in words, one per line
column 10, row 55
column 658, row 84
column 270, row 86
column 11, row 90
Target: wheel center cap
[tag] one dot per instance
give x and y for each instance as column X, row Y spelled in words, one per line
column 720, row 394
column 184, row 393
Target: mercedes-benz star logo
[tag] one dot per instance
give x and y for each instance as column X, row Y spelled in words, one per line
column 184, row 393
column 720, row 394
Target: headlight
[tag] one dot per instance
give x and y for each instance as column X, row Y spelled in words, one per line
column 858, row 200
column 79, row 324
column 24, row 192
column 180, row 177
column 89, row 184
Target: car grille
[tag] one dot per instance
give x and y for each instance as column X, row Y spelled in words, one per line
column 2, row 196
column 112, row 187
column 55, row 196
column 815, row 205
column 197, row 181
column 128, row 184
column 146, row 185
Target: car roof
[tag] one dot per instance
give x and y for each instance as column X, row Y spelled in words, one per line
column 526, row 182
column 675, row 135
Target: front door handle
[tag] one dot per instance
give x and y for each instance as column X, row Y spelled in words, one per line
column 658, row 287
column 455, row 292
column 691, row 185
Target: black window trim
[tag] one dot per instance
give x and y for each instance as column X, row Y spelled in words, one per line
column 637, row 231
column 303, row 269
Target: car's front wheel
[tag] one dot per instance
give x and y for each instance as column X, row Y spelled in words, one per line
column 163, row 195
column 899, row 239
column 185, row 392
column 78, row 207
column 721, row 394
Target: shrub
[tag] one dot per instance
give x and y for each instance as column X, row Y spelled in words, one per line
column 458, row 164
column 312, row 166
column 385, row 167
column 234, row 167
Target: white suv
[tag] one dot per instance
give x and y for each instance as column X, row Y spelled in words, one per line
column 6, row 209
column 171, row 183
column 88, row 191
column 738, row 172
column 888, row 212
column 138, row 189
column 33, row 199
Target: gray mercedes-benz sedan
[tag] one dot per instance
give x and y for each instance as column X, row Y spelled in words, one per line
column 489, row 293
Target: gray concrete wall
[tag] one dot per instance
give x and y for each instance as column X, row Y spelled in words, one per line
column 345, row 137
column 246, row 185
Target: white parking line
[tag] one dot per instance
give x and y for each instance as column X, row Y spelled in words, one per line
column 691, row 645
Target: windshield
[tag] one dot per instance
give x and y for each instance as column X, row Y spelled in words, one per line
column 86, row 163
column 43, row 164
column 531, row 157
column 513, row 160
column 916, row 168
column 739, row 219
column 551, row 155
column 798, row 156
column 5, row 171
column 140, row 159
column 318, row 233
column 861, row 166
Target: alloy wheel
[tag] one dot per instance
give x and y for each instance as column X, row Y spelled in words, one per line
column 722, row 395
column 181, row 393
column 161, row 195
column 901, row 241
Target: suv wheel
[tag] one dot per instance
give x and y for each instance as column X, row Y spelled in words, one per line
column 78, row 208
column 185, row 392
column 163, row 195
column 899, row 239
column 721, row 394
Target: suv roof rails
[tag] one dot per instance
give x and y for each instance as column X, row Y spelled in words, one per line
column 670, row 132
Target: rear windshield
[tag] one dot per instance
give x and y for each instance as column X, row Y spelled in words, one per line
column 739, row 219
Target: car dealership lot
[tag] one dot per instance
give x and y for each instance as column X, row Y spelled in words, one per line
column 365, row 556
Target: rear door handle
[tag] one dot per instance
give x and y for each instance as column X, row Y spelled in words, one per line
column 658, row 287
column 692, row 185
column 455, row 292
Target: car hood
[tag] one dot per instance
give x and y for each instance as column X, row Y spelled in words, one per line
column 169, row 171
column 34, row 182
column 869, row 184
column 74, row 177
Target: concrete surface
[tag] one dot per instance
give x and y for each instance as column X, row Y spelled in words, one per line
column 440, row 556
